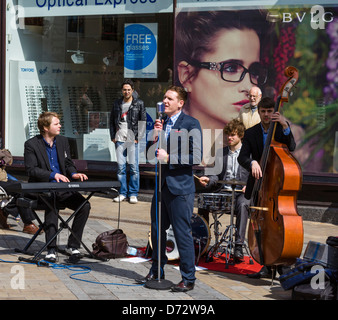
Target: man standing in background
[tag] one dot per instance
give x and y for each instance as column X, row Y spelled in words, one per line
column 249, row 112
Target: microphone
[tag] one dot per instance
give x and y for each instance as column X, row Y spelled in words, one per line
column 160, row 109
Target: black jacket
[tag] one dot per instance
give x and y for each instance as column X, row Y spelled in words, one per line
column 136, row 113
column 252, row 149
column 37, row 162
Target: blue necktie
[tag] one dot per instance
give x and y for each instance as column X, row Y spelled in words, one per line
column 168, row 128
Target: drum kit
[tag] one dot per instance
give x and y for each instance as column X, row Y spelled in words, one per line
column 219, row 204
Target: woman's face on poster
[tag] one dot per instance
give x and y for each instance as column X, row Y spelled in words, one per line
column 210, row 96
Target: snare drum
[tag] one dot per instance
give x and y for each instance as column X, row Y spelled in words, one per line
column 200, row 234
column 215, row 201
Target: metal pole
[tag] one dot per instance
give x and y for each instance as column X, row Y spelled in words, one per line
column 159, row 213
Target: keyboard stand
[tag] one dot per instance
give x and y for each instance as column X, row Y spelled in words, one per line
column 64, row 224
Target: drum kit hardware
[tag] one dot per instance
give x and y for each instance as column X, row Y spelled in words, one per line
column 200, row 234
column 232, row 182
column 219, row 204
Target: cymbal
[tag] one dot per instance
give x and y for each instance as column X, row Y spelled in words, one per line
column 236, row 190
column 233, row 182
column 150, row 173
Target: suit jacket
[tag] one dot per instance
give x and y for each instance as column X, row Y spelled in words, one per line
column 184, row 147
column 223, row 156
column 37, row 162
column 252, row 149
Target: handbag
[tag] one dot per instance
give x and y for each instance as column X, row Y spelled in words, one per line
column 110, row 244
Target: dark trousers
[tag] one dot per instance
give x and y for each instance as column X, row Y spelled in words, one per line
column 71, row 200
column 242, row 212
column 177, row 211
column 26, row 214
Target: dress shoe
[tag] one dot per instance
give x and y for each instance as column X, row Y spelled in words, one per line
column 74, row 254
column 72, row 251
column 30, row 228
column 148, row 277
column 3, row 220
column 183, row 286
column 51, row 255
column 265, row 272
column 238, row 253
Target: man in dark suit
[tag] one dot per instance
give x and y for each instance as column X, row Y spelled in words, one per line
column 253, row 146
column 183, row 140
column 47, row 159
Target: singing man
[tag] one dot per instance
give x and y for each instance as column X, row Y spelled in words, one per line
column 183, row 140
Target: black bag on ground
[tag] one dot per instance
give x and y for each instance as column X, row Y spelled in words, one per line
column 332, row 241
column 110, row 244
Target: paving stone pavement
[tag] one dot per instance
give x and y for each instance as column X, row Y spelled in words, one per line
column 114, row 279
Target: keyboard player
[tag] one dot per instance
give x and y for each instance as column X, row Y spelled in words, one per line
column 47, row 159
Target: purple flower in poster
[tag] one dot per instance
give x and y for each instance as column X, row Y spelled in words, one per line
column 331, row 90
column 283, row 52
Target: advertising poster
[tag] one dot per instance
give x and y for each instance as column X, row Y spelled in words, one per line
column 140, row 50
column 211, row 43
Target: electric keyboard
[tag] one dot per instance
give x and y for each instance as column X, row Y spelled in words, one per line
column 41, row 187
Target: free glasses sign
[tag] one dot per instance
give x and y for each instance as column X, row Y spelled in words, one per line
column 140, row 50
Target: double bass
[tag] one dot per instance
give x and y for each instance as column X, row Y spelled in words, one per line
column 275, row 232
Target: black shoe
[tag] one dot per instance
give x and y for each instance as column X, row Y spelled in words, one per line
column 51, row 255
column 74, row 254
column 183, row 286
column 148, row 277
column 265, row 272
column 238, row 253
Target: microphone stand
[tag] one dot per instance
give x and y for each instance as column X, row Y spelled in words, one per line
column 159, row 284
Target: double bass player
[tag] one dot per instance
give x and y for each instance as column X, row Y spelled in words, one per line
column 252, row 149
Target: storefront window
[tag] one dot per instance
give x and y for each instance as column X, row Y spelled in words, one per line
column 74, row 65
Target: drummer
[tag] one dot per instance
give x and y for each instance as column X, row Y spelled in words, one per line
column 231, row 170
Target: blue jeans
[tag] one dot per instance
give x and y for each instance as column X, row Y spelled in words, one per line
column 10, row 177
column 124, row 151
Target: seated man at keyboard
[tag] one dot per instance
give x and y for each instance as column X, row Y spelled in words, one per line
column 47, row 159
